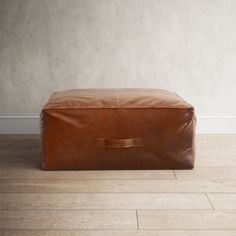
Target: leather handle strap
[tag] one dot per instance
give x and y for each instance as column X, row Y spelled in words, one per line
column 119, row 143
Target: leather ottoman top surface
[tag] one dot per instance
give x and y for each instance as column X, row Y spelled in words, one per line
column 116, row 98
column 109, row 129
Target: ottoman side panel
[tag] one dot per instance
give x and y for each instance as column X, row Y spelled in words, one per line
column 171, row 138
column 69, row 138
column 93, row 139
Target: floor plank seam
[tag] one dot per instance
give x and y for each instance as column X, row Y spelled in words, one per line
column 137, row 219
column 174, row 174
column 213, row 208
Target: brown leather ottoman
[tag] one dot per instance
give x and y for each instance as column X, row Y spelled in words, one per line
column 114, row 129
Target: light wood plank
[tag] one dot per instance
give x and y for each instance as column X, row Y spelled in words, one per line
column 202, row 153
column 31, row 170
column 216, row 161
column 11, row 153
column 19, row 144
column 117, row 232
column 201, row 161
column 19, row 158
column 33, row 165
column 207, row 173
column 21, row 137
column 215, row 139
column 223, row 201
column 187, row 219
column 117, row 186
column 208, row 161
column 104, row 201
column 68, row 219
column 216, row 151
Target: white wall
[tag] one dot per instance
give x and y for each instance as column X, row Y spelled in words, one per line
column 187, row 46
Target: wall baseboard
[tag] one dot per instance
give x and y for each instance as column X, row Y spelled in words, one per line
column 216, row 124
column 19, row 123
column 28, row 123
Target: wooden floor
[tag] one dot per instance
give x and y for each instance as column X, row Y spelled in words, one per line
column 118, row 203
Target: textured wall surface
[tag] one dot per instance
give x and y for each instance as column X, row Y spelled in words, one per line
column 187, row 46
